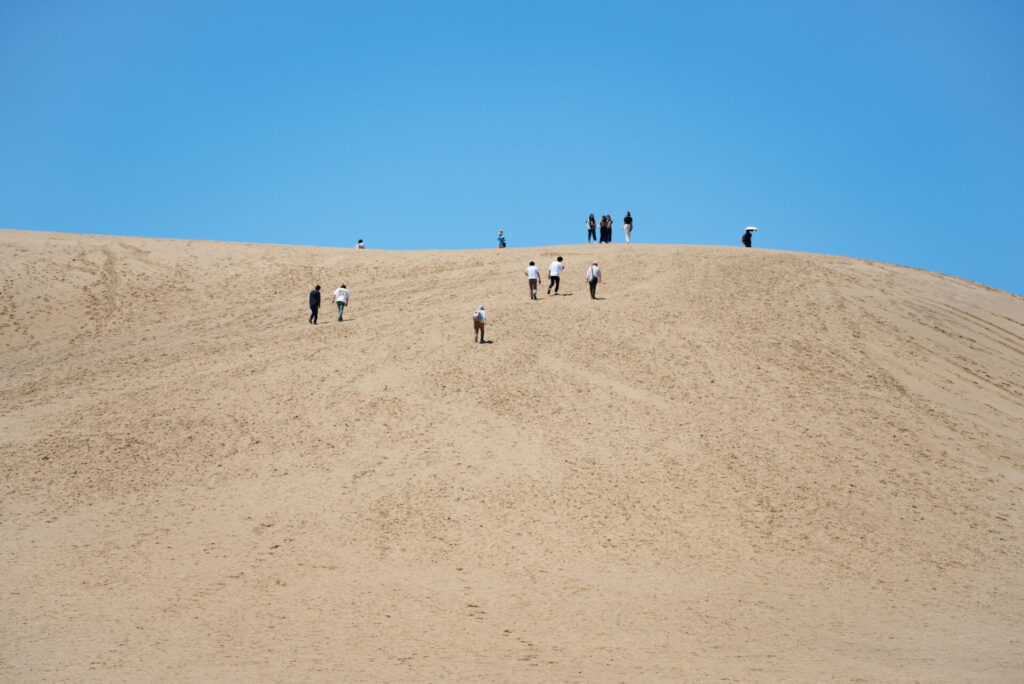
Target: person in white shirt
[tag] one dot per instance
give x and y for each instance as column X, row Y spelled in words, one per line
column 479, row 321
column 593, row 278
column 341, row 299
column 555, row 273
column 360, row 245
column 533, row 274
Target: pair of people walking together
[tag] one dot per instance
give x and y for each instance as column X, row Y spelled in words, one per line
column 554, row 276
column 341, row 297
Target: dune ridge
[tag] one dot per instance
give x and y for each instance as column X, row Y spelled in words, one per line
column 738, row 465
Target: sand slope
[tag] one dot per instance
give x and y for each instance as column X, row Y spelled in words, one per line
column 740, row 465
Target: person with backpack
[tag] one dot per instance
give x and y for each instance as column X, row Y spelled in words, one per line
column 593, row 278
column 479, row 321
column 748, row 236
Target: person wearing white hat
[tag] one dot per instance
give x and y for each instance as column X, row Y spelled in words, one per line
column 479, row 321
column 747, row 236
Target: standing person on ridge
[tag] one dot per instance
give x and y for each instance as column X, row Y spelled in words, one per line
column 627, row 226
column 593, row 278
column 591, row 229
column 501, row 239
column 314, row 304
column 360, row 245
column 748, row 236
column 479, row 321
column 606, row 230
column 341, row 299
column 555, row 274
column 533, row 273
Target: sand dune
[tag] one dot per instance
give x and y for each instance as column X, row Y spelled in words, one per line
column 739, row 465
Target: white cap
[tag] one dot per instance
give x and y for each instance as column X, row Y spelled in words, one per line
column 752, row 228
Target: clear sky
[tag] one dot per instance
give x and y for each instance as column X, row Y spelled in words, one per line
column 887, row 130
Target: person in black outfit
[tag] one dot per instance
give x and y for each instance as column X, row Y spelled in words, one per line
column 606, row 229
column 314, row 304
column 746, row 239
column 591, row 229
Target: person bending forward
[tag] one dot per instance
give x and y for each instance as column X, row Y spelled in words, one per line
column 479, row 321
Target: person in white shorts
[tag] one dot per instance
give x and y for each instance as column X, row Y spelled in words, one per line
column 627, row 226
column 555, row 273
column 533, row 274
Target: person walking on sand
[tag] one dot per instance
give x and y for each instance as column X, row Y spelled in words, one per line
column 627, row 226
column 479, row 321
column 341, row 299
column 533, row 274
column 591, row 229
column 501, row 239
column 555, row 274
column 748, row 236
column 593, row 278
column 314, row 304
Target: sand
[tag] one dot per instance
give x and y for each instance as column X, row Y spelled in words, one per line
column 736, row 465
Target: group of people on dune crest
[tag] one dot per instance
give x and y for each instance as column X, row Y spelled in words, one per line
column 606, row 228
column 532, row 272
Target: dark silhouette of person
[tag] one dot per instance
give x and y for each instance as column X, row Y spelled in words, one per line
column 591, row 229
column 747, row 238
column 314, row 304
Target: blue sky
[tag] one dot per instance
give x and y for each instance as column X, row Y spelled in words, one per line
column 881, row 130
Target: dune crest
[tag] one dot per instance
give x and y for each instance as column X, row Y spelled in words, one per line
column 737, row 465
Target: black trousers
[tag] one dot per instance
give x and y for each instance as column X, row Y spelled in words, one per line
column 312, row 316
column 593, row 288
column 554, row 283
column 591, row 234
